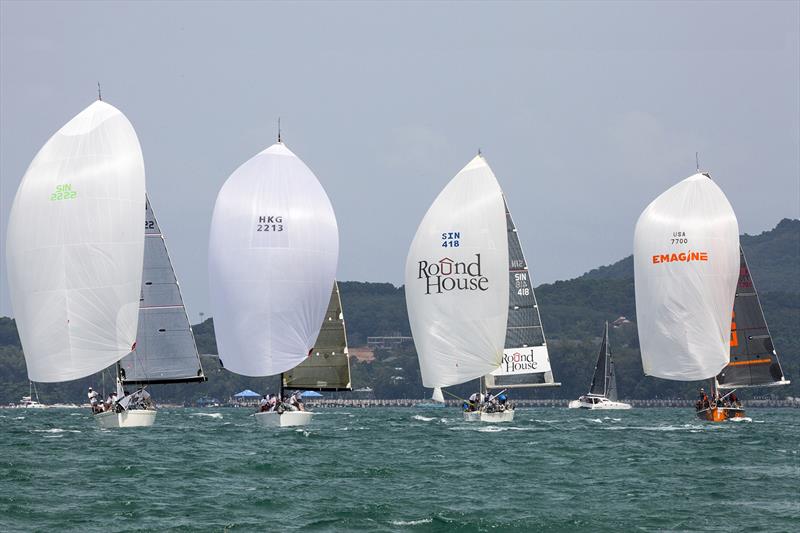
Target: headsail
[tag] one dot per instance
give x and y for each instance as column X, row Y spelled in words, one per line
column 437, row 395
column 165, row 348
column 685, row 253
column 600, row 379
column 612, row 381
column 754, row 362
column 526, row 362
column 75, row 247
column 456, row 280
column 327, row 366
column 273, row 250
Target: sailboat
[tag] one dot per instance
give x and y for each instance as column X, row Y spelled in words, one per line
column 273, row 250
column 75, row 247
column 470, row 299
column 165, row 346
column 603, row 389
column 686, row 268
column 526, row 361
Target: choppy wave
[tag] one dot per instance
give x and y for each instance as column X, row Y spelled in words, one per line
column 208, row 415
column 397, row 470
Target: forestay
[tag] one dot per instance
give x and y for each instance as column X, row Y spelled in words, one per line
column 754, row 362
column 686, row 265
column 327, row 366
column 273, row 250
column 456, row 280
column 75, row 246
column 526, row 362
column 165, row 347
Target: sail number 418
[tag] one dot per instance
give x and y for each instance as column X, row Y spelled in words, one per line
column 451, row 239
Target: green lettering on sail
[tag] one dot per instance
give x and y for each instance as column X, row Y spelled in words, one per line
column 63, row 192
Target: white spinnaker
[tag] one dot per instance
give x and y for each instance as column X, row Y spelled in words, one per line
column 459, row 333
column 273, row 251
column 75, row 247
column 686, row 266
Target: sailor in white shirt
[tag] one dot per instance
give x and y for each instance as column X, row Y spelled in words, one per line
column 262, row 406
column 93, row 399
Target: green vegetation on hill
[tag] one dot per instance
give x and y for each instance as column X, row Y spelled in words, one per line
column 572, row 311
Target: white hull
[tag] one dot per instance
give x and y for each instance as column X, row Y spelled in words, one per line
column 490, row 418
column 126, row 419
column 603, row 404
column 286, row 419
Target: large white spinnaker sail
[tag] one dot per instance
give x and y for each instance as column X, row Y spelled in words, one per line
column 686, row 266
column 273, row 251
column 75, row 247
column 456, row 280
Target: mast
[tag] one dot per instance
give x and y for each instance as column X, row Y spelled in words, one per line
column 607, row 369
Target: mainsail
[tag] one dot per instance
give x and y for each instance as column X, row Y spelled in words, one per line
column 273, row 250
column 456, row 280
column 526, row 362
column 327, row 366
column 686, row 266
column 753, row 362
column 165, row 348
column 75, row 247
column 600, row 379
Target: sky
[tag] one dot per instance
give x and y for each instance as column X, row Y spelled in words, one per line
column 585, row 111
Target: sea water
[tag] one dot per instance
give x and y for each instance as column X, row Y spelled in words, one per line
column 401, row 470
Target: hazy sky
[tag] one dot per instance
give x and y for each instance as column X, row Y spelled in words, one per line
column 585, row 111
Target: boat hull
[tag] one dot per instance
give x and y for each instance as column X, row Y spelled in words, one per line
column 286, row 419
column 490, row 418
column 603, row 405
column 720, row 414
column 126, row 419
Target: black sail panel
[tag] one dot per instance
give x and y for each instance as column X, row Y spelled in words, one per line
column 754, row 362
column 327, row 366
column 165, row 347
column 526, row 362
column 599, row 383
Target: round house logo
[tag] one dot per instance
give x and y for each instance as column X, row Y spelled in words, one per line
column 517, row 362
column 447, row 275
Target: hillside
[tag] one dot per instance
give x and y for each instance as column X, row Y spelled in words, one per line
column 573, row 313
column 773, row 256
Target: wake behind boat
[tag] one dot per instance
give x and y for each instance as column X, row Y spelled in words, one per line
column 603, row 389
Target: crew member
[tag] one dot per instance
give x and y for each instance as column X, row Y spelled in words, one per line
column 263, row 404
column 93, row 400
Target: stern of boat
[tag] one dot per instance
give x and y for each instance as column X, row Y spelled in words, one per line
column 720, row 414
column 126, row 419
column 285, row 419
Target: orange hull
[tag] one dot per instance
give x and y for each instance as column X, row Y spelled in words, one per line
column 720, row 414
